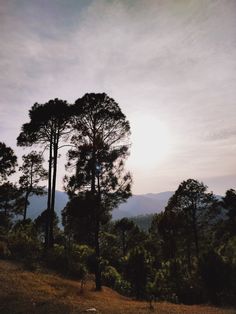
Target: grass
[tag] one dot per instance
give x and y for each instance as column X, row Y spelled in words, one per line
column 25, row 292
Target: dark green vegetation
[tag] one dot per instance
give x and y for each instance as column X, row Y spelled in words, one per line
column 188, row 255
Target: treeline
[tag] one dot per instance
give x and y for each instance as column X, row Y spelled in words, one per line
column 97, row 133
column 188, row 254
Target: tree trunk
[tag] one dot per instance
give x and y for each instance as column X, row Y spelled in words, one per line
column 25, row 205
column 28, row 191
column 47, row 224
column 195, row 231
column 98, row 275
column 189, row 256
column 123, row 243
column 55, row 154
column 98, row 281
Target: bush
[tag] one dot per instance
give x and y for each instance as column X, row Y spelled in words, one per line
column 78, row 257
column 4, row 251
column 174, row 283
column 216, row 274
column 23, row 242
column 22, row 246
column 110, row 276
column 71, row 261
column 138, row 270
column 164, row 286
column 56, row 258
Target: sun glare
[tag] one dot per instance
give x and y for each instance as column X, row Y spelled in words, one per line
column 150, row 142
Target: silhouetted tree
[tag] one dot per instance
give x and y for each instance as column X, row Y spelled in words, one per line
column 194, row 204
column 124, row 225
column 33, row 173
column 49, row 124
column 9, row 203
column 101, row 147
column 7, row 161
column 215, row 273
column 138, row 270
column 229, row 203
column 166, row 227
column 41, row 221
column 77, row 219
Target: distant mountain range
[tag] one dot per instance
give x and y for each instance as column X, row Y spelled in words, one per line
column 143, row 204
column 136, row 205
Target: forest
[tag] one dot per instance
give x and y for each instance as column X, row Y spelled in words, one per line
column 188, row 255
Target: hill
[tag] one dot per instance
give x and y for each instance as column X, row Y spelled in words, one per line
column 40, row 292
column 136, row 205
column 39, row 204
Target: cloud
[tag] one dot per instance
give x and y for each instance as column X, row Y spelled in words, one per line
column 172, row 59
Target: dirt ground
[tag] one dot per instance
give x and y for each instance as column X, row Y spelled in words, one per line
column 25, row 292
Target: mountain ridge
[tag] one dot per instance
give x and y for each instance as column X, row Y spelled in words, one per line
column 140, row 204
column 136, row 205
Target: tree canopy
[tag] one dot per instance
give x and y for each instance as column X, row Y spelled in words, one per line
column 8, row 161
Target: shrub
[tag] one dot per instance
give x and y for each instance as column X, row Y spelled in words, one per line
column 110, row 276
column 138, row 270
column 4, row 251
column 71, row 261
column 216, row 274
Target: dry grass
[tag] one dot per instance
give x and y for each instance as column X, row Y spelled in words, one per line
column 39, row 292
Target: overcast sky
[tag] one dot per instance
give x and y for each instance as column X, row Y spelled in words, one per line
column 171, row 66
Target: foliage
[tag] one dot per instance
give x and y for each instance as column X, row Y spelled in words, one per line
column 138, row 270
column 229, row 203
column 143, row 221
column 71, row 260
column 10, row 203
column 49, row 124
column 101, row 146
column 110, row 276
column 124, row 226
column 32, row 173
column 23, row 243
column 77, row 219
column 8, row 161
column 216, row 274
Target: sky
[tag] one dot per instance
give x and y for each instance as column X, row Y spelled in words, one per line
column 170, row 65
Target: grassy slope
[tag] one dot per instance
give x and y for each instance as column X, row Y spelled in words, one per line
column 37, row 292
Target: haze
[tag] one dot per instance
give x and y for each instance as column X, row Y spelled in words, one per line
column 170, row 65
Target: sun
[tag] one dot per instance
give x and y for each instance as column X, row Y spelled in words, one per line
column 150, row 142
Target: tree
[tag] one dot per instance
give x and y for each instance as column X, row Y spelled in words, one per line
column 101, row 146
column 124, row 225
column 138, row 270
column 215, row 273
column 165, row 228
column 41, row 221
column 33, row 173
column 229, row 203
column 49, row 124
column 194, row 204
column 77, row 219
column 9, row 203
column 7, row 161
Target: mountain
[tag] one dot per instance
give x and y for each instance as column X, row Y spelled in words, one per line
column 39, row 203
column 135, row 205
column 142, row 205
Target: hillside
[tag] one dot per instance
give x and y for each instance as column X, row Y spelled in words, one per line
column 136, row 205
column 26, row 292
column 140, row 207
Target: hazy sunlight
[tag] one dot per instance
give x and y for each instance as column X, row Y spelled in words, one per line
column 150, row 141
